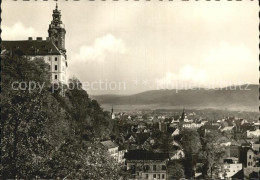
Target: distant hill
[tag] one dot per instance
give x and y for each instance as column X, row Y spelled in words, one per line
column 245, row 98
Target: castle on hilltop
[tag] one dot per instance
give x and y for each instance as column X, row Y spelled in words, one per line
column 52, row 50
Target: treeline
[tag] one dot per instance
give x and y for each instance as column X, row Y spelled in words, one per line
column 45, row 134
column 203, row 154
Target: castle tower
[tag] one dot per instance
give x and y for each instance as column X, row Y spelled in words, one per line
column 57, row 30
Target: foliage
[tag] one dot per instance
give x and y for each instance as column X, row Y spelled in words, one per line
column 212, row 153
column 175, row 170
column 190, row 142
column 43, row 133
column 24, row 143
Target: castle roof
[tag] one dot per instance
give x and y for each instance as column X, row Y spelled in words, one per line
column 32, row 47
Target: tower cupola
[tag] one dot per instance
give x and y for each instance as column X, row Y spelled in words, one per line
column 57, row 30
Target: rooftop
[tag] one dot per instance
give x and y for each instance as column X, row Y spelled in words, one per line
column 32, row 47
column 145, row 155
column 109, row 144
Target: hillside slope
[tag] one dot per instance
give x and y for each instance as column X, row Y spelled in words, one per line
column 243, row 98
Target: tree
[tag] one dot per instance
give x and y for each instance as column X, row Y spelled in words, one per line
column 175, row 170
column 43, row 133
column 212, row 153
column 24, row 143
column 190, row 142
column 79, row 160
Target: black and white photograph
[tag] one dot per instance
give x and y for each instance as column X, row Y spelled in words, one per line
column 130, row 90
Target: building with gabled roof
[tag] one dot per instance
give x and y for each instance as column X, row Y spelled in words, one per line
column 112, row 148
column 51, row 50
column 148, row 165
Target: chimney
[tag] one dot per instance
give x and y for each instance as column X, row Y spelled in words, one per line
column 30, row 38
column 39, row 38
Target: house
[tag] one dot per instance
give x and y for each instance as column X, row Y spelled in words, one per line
column 241, row 121
column 121, row 153
column 253, row 134
column 256, row 146
column 162, row 126
column 112, row 148
column 146, row 165
column 191, row 125
column 230, row 167
column 129, row 138
column 204, row 122
column 176, row 154
column 161, row 117
column 210, row 128
column 52, row 50
column 246, row 156
column 227, row 129
column 175, row 121
column 176, row 132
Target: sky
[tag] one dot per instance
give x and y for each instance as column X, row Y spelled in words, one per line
column 127, row 47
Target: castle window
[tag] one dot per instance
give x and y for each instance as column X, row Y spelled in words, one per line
column 56, row 76
column 56, row 58
column 56, row 67
column 154, row 176
column 249, row 156
column 49, row 58
column 163, row 176
column 146, row 176
column 163, row 167
column 132, row 167
column 154, row 167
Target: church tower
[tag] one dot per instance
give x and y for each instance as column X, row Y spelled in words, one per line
column 183, row 116
column 112, row 113
column 57, row 30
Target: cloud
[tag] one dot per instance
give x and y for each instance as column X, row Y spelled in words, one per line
column 225, row 65
column 235, row 63
column 101, row 48
column 187, row 77
column 17, row 31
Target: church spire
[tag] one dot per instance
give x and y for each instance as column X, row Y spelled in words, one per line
column 56, row 4
column 183, row 115
column 112, row 113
